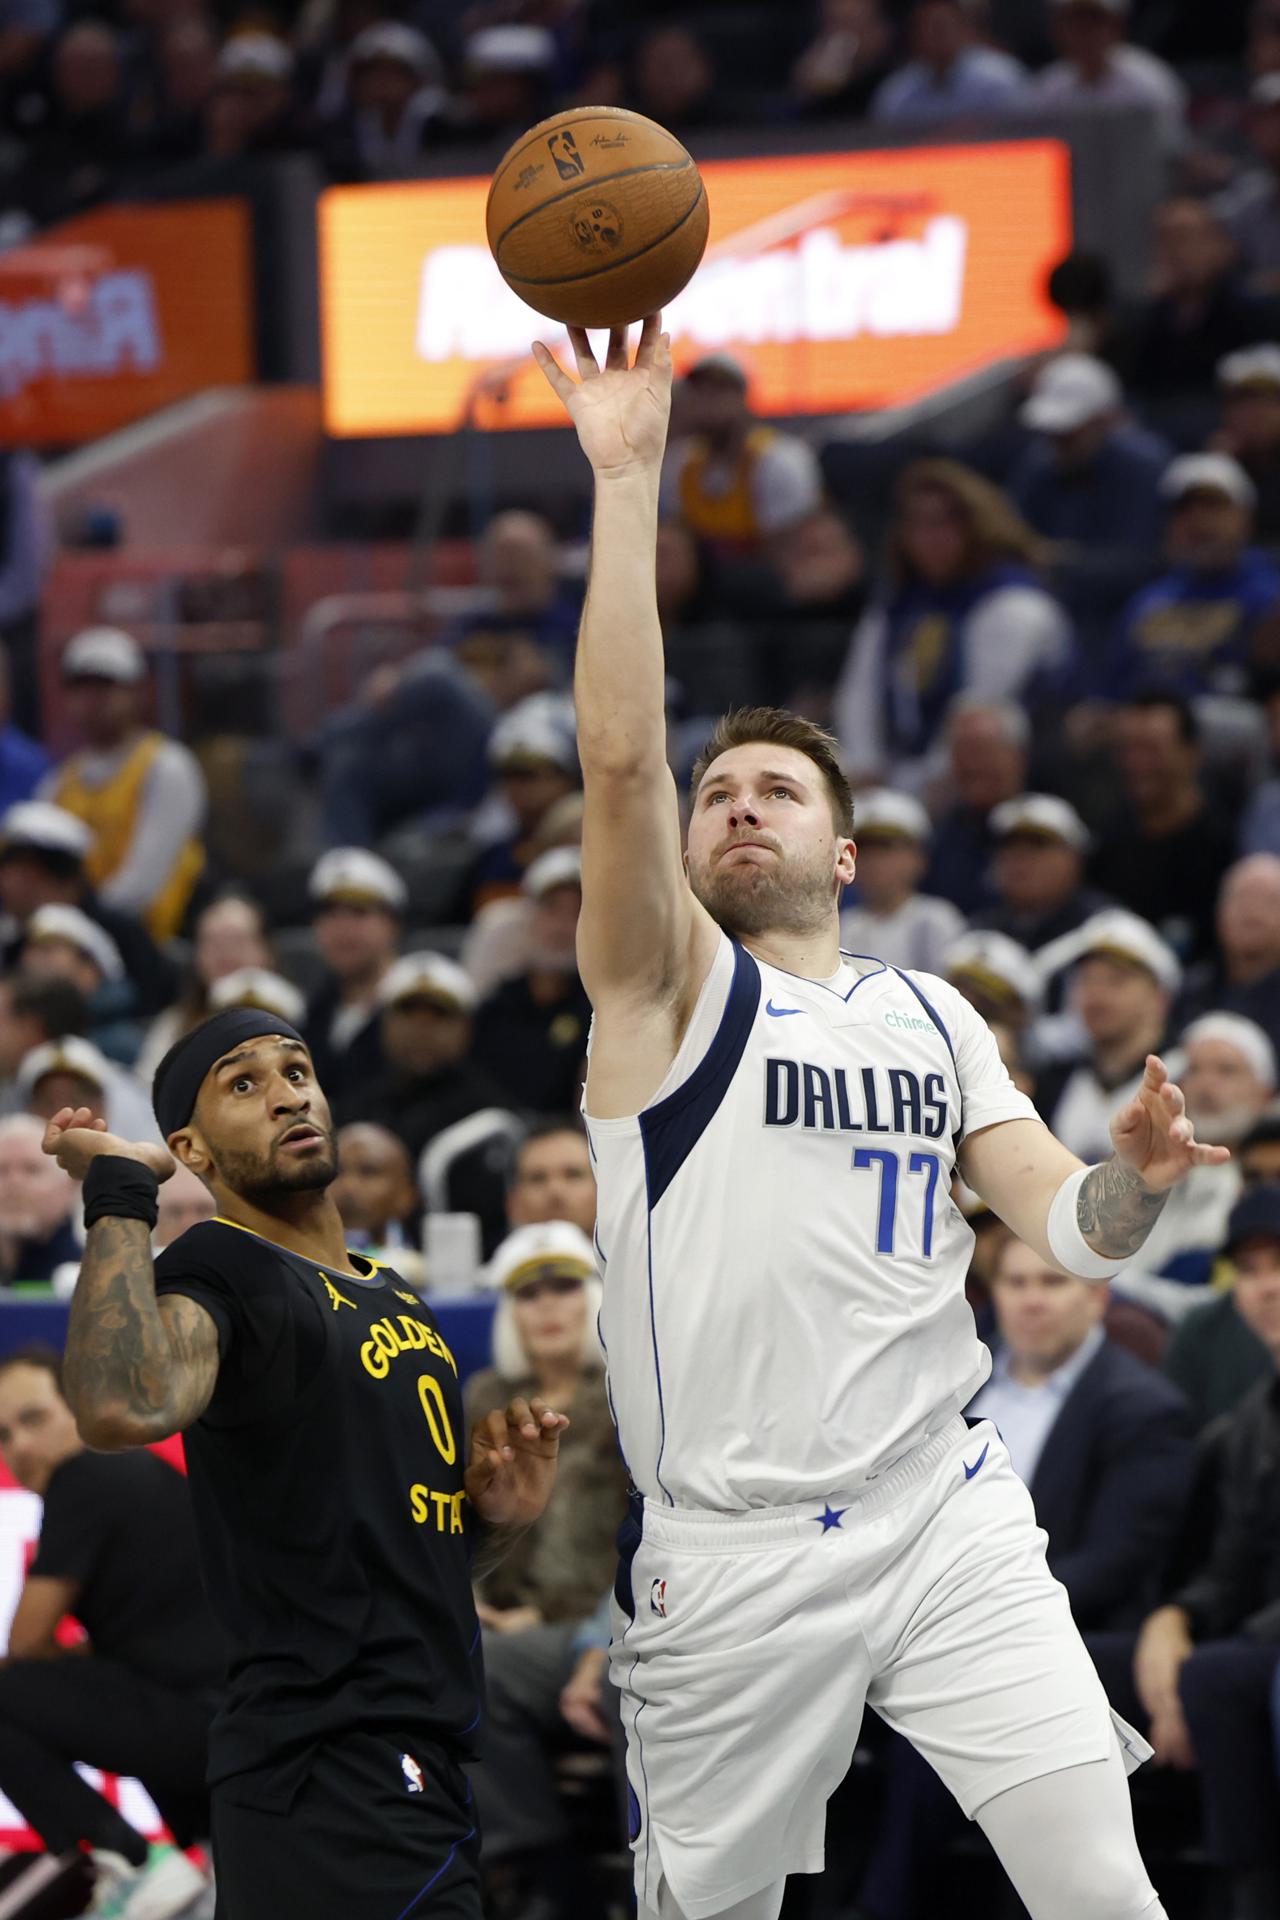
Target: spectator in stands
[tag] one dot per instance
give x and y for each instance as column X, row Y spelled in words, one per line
column 1249, row 942
column 1249, row 208
column 507, row 77
column 843, row 66
column 534, row 1604
column 34, row 1010
column 65, row 943
column 1200, row 312
column 71, row 1072
column 358, row 901
column 186, row 73
column 26, row 542
column 230, row 933
column 1090, row 478
column 1080, row 287
column 734, row 481
column 75, row 158
column 426, row 1079
column 1165, row 853
column 672, row 79
column 1041, row 844
column 38, row 1205
column 1193, row 630
column 996, row 976
column 892, row 919
column 521, row 638
column 495, row 947
column 533, row 752
column 252, row 109
column 951, row 74
column 531, row 1033
column 183, row 1201
column 1250, row 432
column 141, row 794
column 376, row 1196
column 1205, row 1663
column 394, row 106
column 1097, row 66
column 117, row 1549
column 552, row 1176
column 43, row 855
column 988, row 746
column 821, row 575
column 23, row 762
column 1104, row 1445
column 261, row 988
column 966, row 614
column 1122, row 986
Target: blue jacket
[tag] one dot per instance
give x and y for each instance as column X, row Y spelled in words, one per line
column 23, row 765
column 1111, row 501
column 1192, row 632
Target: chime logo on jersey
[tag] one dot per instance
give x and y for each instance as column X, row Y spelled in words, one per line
column 658, row 1598
column 412, row 1773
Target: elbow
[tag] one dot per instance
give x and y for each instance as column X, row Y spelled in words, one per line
column 109, row 1429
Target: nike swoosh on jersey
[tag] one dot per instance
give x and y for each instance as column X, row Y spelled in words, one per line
column 780, row 1013
column 969, row 1471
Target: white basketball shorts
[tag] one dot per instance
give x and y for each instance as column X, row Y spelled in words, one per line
column 746, row 1646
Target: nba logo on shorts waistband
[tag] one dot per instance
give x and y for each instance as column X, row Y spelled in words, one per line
column 412, row 1773
column 658, row 1598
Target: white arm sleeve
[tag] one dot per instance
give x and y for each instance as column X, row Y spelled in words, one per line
column 171, row 813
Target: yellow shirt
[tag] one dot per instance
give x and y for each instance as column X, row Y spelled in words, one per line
column 113, row 810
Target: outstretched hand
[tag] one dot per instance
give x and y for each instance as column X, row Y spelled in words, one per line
column 74, row 1138
column 1154, row 1135
column 620, row 411
column 513, row 1462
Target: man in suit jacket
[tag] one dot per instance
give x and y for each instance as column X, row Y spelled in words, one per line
column 1105, row 1446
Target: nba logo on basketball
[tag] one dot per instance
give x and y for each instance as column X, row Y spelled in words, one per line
column 412, row 1773
column 658, row 1598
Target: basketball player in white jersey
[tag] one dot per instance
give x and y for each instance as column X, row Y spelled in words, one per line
column 776, row 1128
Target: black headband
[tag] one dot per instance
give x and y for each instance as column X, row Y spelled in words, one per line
column 180, row 1075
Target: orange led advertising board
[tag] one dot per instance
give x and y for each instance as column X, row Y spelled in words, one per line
column 843, row 280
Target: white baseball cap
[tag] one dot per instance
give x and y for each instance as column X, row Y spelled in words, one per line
column 393, row 40
column 1070, row 391
column 1265, row 91
column 1251, row 366
column 510, row 49
column 104, row 653
column 1103, row 6
column 1246, row 1036
column 550, row 1246
column 70, row 1054
column 1120, row 935
column 882, row 814
column 1040, row 816
column 1207, row 473
column 428, row 976
column 38, row 823
column 994, row 962
column 258, row 987
column 536, row 733
column 67, row 923
column 255, row 56
column 352, row 876
column 558, row 867
column 726, row 365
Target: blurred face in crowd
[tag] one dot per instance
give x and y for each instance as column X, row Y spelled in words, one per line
column 62, row 960
column 1034, row 874
column 988, row 765
column 18, row 1033
column 183, row 1202
column 677, row 570
column 1005, row 1034
column 507, row 666
column 28, row 882
column 36, row 1196
column 37, row 1427
column 383, row 87
column 229, row 935
column 933, row 533
column 762, row 848
column 261, row 1128
column 1259, row 1163
column 1257, row 1290
column 713, row 405
column 243, row 109
column 421, row 1037
column 672, row 73
column 818, row 560
column 102, row 712
column 553, row 929
column 86, row 69
column 1043, row 1316
column 889, row 869
column 1264, row 122
column 551, row 1318
column 1192, row 250
column 1251, row 418
column 1224, row 1094
column 1116, row 1000
column 53, row 1091
column 498, row 99
column 531, row 786
column 1207, row 531
column 356, row 939
column 939, row 33
column 1249, row 917
column 553, row 1181
column 1085, row 33
column 1153, row 757
column 188, row 64
column 521, row 562
column 374, row 1186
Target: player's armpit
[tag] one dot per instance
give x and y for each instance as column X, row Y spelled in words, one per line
column 1017, row 1167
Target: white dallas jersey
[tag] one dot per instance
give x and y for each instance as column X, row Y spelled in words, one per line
column 784, row 1310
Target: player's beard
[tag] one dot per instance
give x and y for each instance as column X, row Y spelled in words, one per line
column 790, row 894
column 257, row 1178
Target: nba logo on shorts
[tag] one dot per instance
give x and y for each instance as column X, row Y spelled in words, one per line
column 412, row 1773
column 658, row 1598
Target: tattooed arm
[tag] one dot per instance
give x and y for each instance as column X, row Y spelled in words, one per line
column 136, row 1369
column 1116, row 1209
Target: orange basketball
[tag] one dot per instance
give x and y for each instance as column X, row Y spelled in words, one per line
column 597, row 217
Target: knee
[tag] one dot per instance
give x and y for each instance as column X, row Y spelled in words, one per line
column 1107, row 1886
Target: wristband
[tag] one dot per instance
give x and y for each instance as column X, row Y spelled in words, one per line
column 117, row 1188
column 1066, row 1242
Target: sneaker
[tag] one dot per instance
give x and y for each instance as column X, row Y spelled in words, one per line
column 164, row 1887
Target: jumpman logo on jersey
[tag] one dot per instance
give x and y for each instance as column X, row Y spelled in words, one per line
column 336, row 1299
column 412, row 1298
column 830, row 1517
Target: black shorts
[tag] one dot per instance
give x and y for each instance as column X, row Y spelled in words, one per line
column 375, row 1831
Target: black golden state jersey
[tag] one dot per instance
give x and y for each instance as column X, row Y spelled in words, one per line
column 334, row 1532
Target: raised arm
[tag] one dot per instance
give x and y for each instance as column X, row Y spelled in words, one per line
column 136, row 1369
column 641, row 937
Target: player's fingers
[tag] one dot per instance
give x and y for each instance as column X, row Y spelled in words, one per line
column 1172, row 1097
column 1206, row 1156
column 99, row 1125
column 618, row 360
column 520, row 1416
column 583, row 353
column 557, row 378
column 1155, row 1074
column 495, row 1426
column 650, row 333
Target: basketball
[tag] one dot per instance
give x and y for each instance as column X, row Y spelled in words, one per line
column 597, row 217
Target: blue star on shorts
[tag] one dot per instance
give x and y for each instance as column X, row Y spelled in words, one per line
column 830, row 1516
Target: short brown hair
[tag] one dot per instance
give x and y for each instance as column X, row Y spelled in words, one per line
column 775, row 726
column 45, row 1358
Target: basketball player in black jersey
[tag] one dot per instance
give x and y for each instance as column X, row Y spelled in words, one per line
column 335, row 1502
